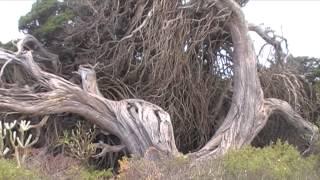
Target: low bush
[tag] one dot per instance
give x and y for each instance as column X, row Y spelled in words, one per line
column 278, row 161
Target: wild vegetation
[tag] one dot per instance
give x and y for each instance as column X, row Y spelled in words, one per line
column 277, row 161
column 99, row 80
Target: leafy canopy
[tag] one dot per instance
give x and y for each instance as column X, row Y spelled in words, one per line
column 46, row 19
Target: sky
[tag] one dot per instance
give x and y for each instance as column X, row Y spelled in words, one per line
column 10, row 12
column 297, row 20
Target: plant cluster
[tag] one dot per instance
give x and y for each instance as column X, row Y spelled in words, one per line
column 79, row 142
column 277, row 161
column 18, row 137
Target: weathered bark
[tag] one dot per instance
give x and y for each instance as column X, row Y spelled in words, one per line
column 43, row 55
column 249, row 111
column 305, row 129
column 140, row 124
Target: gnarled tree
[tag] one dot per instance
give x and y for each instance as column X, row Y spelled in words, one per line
column 137, row 123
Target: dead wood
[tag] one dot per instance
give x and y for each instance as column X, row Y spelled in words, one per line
column 137, row 123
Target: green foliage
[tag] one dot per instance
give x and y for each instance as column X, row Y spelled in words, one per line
column 278, row 161
column 40, row 12
column 9, row 170
column 46, row 18
column 307, row 66
column 78, row 142
column 54, row 22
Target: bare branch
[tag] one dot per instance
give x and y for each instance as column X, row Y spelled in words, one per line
column 38, row 130
column 106, row 148
column 150, row 13
column 3, row 67
column 271, row 38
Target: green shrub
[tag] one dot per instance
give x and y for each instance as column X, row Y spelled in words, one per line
column 278, row 161
column 77, row 143
column 83, row 173
column 9, row 170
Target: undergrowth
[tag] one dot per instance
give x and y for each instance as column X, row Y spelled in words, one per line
column 278, row 161
column 83, row 173
column 9, row 170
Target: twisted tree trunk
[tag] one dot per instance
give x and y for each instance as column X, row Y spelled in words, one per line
column 249, row 110
column 140, row 124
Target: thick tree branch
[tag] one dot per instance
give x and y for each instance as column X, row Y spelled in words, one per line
column 307, row 130
column 247, row 98
column 31, row 43
column 249, row 111
column 137, row 123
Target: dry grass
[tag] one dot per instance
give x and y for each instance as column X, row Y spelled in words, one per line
column 53, row 167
